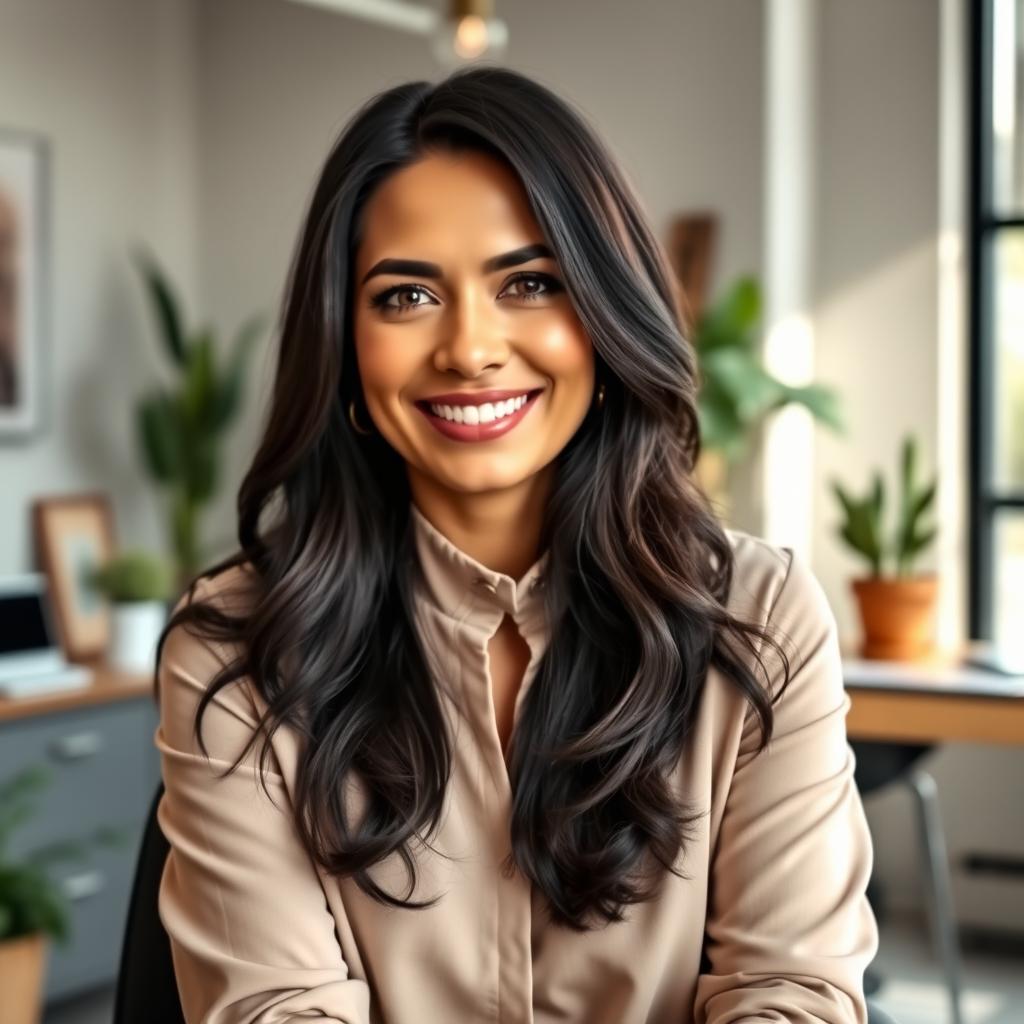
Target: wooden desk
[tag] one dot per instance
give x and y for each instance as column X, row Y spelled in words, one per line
column 936, row 701
column 96, row 742
column 106, row 685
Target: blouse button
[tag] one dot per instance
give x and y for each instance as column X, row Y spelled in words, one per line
column 486, row 584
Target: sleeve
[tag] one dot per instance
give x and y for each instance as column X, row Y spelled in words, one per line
column 789, row 931
column 251, row 934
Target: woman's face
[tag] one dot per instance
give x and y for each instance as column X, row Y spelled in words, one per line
column 455, row 296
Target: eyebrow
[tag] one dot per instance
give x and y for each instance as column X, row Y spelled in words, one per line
column 422, row 268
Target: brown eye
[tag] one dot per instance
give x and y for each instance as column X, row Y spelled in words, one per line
column 380, row 300
column 530, row 281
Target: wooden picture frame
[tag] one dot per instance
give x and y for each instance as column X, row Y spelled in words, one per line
column 24, row 284
column 73, row 534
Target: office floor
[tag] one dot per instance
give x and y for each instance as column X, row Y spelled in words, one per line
column 913, row 992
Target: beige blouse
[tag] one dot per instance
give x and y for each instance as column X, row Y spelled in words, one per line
column 775, row 897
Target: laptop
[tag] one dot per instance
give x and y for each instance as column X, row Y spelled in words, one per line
column 31, row 659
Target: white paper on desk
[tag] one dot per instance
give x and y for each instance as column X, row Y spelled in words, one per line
column 71, row 677
column 963, row 679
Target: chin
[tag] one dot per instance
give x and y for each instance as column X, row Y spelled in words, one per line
column 482, row 479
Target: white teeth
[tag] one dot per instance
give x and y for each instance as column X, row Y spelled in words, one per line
column 486, row 413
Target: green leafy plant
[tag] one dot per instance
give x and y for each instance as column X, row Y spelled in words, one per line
column 182, row 430
column 30, row 900
column 134, row 575
column 862, row 527
column 737, row 391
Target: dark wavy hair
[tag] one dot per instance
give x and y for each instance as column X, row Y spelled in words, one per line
column 640, row 567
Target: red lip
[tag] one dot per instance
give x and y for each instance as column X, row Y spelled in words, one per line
column 470, row 432
column 477, row 397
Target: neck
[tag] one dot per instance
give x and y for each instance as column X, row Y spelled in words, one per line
column 500, row 529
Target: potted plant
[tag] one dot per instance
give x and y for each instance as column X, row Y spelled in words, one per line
column 33, row 908
column 736, row 391
column 897, row 608
column 138, row 584
column 181, row 430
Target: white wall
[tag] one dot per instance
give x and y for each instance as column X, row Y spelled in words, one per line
column 674, row 88
column 877, row 331
column 111, row 85
column 200, row 127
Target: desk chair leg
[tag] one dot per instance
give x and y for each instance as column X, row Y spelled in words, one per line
column 940, row 902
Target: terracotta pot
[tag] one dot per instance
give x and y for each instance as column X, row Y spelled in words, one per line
column 897, row 614
column 22, row 966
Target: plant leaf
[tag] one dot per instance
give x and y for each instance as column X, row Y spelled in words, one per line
column 230, row 386
column 198, row 386
column 165, row 305
column 729, row 322
column 821, row 402
column 159, row 425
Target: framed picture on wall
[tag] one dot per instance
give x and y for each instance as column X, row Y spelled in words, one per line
column 74, row 534
column 24, row 184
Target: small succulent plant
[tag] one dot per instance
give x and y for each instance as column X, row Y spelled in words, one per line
column 862, row 528
column 134, row 575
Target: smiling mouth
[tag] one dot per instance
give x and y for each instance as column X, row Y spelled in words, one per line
column 478, row 422
column 472, row 413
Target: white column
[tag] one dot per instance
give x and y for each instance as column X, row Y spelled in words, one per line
column 951, row 429
column 786, row 484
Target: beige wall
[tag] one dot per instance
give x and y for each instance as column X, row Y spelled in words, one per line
column 877, row 330
column 200, row 128
column 279, row 80
column 111, row 85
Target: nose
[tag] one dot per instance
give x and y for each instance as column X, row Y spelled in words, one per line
column 472, row 335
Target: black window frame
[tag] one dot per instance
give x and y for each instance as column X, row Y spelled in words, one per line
column 986, row 500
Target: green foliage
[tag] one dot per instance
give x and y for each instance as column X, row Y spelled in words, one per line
column 30, row 900
column 181, row 430
column 133, row 575
column 862, row 526
column 736, row 390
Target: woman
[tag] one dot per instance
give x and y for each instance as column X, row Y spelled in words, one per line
column 483, row 700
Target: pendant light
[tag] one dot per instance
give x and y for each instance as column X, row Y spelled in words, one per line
column 468, row 32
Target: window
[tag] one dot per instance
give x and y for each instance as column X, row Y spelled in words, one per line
column 996, row 242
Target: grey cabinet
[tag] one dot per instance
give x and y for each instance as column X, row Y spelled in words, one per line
column 105, row 771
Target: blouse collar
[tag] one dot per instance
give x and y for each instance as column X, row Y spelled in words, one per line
column 465, row 589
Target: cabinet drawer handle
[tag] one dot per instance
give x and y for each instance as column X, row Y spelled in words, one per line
column 78, row 744
column 84, row 884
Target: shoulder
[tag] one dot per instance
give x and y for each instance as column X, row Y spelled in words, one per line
column 774, row 586
column 760, row 572
column 189, row 659
column 232, row 590
column 774, row 580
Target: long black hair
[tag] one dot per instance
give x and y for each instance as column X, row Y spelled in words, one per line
column 640, row 567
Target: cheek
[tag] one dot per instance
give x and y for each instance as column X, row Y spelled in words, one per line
column 384, row 364
column 565, row 353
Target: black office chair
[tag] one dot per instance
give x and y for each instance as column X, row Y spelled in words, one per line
column 146, row 987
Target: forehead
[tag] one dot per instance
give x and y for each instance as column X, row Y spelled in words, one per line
column 447, row 205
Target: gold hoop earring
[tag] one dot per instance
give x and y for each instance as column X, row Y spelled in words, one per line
column 352, row 418
column 600, row 396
